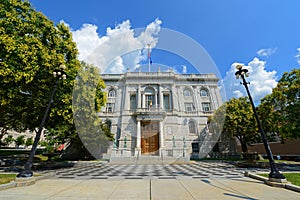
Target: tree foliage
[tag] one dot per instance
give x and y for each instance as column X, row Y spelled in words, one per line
column 32, row 47
column 279, row 111
column 20, row 140
column 88, row 98
column 239, row 121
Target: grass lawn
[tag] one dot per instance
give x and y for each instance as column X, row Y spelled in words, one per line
column 280, row 161
column 294, row 178
column 6, row 178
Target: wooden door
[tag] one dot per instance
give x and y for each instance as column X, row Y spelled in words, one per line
column 149, row 139
column 150, row 144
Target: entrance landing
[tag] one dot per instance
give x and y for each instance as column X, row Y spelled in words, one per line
column 148, row 159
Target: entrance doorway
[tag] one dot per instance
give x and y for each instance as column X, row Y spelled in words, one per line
column 150, row 138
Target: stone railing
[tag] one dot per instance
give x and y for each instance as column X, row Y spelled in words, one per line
column 150, row 110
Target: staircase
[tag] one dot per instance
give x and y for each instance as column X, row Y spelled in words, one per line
column 144, row 160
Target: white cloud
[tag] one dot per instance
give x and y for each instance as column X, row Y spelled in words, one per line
column 184, row 69
column 119, row 49
column 87, row 40
column 266, row 52
column 298, row 56
column 261, row 81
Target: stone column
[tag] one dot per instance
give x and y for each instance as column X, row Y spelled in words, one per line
column 175, row 98
column 155, row 99
column 161, row 135
column 196, row 102
column 161, row 101
column 138, row 134
column 143, row 100
column 126, row 99
column 139, row 97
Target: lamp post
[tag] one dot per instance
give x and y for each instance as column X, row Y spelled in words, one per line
column 274, row 174
column 58, row 74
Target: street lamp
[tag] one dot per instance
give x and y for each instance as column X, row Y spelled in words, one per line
column 58, row 74
column 274, row 174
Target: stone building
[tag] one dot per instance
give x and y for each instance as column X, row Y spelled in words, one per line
column 159, row 113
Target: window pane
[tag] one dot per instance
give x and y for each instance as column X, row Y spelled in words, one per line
column 187, row 93
column 206, row 107
column 192, row 127
column 204, row 93
column 166, row 101
column 189, row 107
column 133, row 102
column 110, row 107
column 195, row 147
column 112, row 93
column 149, row 101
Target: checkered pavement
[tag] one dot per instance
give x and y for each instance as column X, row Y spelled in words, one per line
column 101, row 170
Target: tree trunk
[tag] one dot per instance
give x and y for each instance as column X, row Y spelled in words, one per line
column 244, row 147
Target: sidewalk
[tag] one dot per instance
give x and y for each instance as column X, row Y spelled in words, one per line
column 162, row 189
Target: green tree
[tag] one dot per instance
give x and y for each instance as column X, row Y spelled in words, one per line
column 32, row 47
column 239, row 121
column 29, row 141
column 88, row 98
column 20, row 140
column 279, row 111
column 8, row 140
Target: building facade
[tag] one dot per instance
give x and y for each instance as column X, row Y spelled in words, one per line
column 159, row 113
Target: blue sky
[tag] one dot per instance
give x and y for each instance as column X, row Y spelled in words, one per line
column 262, row 34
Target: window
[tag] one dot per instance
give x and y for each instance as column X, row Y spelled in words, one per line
column 112, row 93
column 192, row 127
column 149, row 101
column 206, row 107
column 166, row 100
column 203, row 93
column 149, row 97
column 133, row 102
column 189, row 107
column 195, row 147
column 187, row 93
column 110, row 107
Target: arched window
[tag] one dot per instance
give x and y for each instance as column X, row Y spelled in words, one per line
column 149, row 97
column 204, row 92
column 187, row 93
column 112, row 93
column 192, row 126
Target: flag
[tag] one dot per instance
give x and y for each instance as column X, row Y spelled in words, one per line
column 149, row 56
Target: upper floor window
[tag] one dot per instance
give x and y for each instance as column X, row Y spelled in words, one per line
column 192, row 126
column 112, row 93
column 133, row 102
column 206, row 107
column 203, row 93
column 166, row 101
column 189, row 107
column 187, row 93
column 149, row 101
column 110, row 107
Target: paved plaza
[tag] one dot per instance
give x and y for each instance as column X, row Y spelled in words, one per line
column 197, row 180
column 100, row 170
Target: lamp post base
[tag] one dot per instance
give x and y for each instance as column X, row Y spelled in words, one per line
column 276, row 175
column 26, row 172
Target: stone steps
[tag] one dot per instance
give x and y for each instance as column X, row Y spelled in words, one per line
column 148, row 160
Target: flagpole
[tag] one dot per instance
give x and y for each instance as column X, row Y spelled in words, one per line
column 149, row 57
